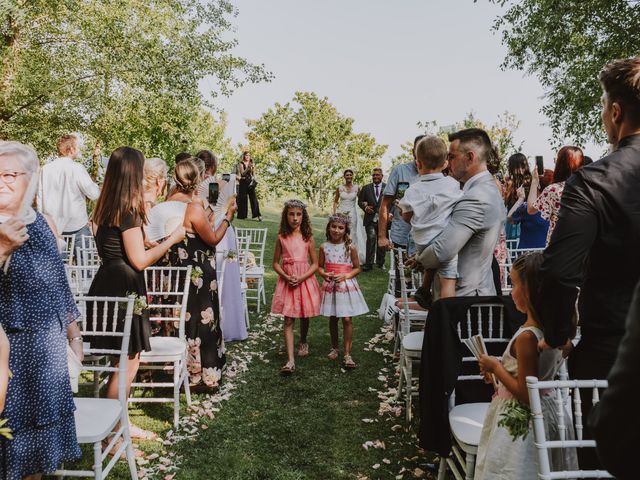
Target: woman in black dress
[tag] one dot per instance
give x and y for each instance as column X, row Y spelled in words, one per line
column 247, row 188
column 206, row 354
column 119, row 215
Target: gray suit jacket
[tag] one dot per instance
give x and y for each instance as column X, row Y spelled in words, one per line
column 472, row 234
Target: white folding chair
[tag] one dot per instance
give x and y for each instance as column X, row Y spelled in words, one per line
column 80, row 278
column 69, row 249
column 506, row 278
column 242, row 243
column 466, row 420
column 87, row 256
column 102, row 419
column 257, row 240
column 516, row 252
column 391, row 282
column 168, row 288
column 544, row 446
column 512, row 244
column 88, row 241
column 410, row 344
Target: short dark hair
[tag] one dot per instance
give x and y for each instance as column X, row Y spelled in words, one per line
column 620, row 80
column 479, row 138
column 209, row 158
column 415, row 144
column 587, row 161
column 182, row 156
column 431, row 152
column 376, row 169
column 347, row 170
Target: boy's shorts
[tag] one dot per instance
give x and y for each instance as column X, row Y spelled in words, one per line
column 448, row 269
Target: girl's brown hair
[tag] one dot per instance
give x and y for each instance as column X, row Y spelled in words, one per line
column 347, row 231
column 122, row 192
column 305, row 227
column 187, row 176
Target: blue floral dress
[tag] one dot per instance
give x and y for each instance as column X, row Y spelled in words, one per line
column 36, row 306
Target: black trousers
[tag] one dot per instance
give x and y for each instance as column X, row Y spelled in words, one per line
column 247, row 193
column 591, row 359
column 373, row 252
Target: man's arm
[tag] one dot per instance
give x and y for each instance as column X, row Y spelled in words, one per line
column 383, row 219
column 563, row 265
column 87, row 186
column 361, row 201
column 466, row 219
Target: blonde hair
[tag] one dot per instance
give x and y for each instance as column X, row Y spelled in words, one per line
column 154, row 168
column 187, row 176
column 66, row 143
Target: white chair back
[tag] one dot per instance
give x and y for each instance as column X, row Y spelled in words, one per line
column 87, row 256
column 243, row 242
column 69, row 248
column 516, row 252
column 168, row 289
column 80, row 278
column 257, row 240
column 558, row 390
column 512, row 244
column 88, row 241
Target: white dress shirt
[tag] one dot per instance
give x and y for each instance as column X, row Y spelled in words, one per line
column 64, row 187
column 431, row 199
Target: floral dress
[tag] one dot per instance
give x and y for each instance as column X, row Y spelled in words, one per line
column 206, row 350
column 548, row 204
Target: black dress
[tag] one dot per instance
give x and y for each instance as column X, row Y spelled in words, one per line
column 206, row 350
column 117, row 278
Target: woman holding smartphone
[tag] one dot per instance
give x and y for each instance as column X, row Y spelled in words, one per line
column 245, row 170
column 569, row 160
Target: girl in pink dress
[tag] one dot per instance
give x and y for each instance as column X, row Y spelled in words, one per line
column 297, row 293
column 341, row 296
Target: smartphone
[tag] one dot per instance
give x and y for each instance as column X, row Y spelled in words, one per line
column 540, row 165
column 213, row 193
column 402, row 187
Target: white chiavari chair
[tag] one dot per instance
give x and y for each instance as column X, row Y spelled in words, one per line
column 80, row 278
column 104, row 422
column 168, row 289
column 466, row 420
column 516, row 252
column 69, row 248
column 257, row 240
column 243, row 258
column 559, row 389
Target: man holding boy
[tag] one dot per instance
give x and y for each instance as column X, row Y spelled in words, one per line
column 427, row 205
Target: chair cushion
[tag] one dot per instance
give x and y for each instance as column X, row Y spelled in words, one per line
column 413, row 341
column 466, row 422
column 95, row 418
column 255, row 271
column 164, row 347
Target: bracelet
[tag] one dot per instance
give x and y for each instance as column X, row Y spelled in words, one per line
column 75, row 339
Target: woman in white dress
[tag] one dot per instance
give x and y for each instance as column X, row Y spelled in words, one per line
column 346, row 201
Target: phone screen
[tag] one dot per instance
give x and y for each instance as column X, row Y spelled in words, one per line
column 213, row 193
column 402, row 187
column 540, row 165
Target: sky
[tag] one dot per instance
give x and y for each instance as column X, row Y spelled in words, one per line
column 386, row 64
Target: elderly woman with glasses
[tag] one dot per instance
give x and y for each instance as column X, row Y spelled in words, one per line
column 38, row 314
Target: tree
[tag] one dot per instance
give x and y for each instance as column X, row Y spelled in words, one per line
column 501, row 134
column 304, row 145
column 565, row 44
column 123, row 71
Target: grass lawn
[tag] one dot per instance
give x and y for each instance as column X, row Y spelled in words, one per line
column 311, row 425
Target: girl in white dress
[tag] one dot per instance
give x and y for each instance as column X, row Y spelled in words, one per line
column 500, row 457
column 340, row 293
column 346, row 201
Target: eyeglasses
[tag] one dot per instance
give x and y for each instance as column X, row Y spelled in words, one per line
column 10, row 177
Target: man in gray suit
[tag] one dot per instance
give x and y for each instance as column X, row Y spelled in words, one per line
column 476, row 219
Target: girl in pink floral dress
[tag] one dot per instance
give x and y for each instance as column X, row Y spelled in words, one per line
column 297, row 294
column 341, row 296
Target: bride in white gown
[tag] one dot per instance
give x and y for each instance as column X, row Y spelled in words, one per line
column 346, row 201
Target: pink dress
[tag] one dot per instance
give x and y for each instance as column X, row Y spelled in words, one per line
column 302, row 301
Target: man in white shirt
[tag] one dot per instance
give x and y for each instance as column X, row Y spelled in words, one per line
column 64, row 189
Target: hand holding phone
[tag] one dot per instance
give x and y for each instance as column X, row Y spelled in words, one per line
column 540, row 165
column 213, row 193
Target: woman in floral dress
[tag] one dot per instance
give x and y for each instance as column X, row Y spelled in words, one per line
column 206, row 350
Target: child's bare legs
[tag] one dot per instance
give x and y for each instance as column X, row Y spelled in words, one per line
column 288, row 338
column 447, row 287
column 333, row 331
column 303, row 346
column 347, row 326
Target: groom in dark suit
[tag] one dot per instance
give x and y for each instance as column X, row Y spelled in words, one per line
column 369, row 200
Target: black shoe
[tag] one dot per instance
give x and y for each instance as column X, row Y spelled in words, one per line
column 423, row 297
column 366, row 268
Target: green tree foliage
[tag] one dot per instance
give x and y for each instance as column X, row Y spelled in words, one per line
column 501, row 133
column 123, row 71
column 304, row 145
column 565, row 44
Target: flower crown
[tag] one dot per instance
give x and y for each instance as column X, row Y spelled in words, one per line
column 340, row 218
column 295, row 204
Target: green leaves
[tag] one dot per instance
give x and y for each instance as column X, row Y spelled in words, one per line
column 123, row 71
column 516, row 419
column 303, row 146
column 565, row 44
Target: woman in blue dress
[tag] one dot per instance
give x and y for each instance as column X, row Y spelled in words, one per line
column 533, row 228
column 38, row 313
